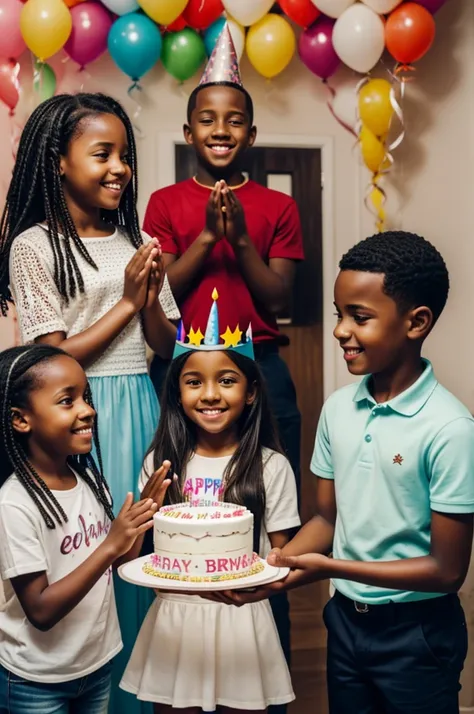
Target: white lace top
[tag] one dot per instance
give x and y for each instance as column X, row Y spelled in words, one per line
column 42, row 310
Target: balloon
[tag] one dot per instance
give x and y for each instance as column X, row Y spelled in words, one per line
column 316, row 49
column 358, row 38
column 134, row 44
column 72, row 3
column 431, row 5
column 121, row 7
column 12, row 43
column 344, row 104
column 303, row 12
column 9, row 87
column 199, row 14
column 164, row 12
column 44, row 81
column 409, row 32
column 237, row 32
column 375, row 107
column 45, row 26
column 333, row 8
column 91, row 23
column 183, row 53
column 178, row 25
column 247, row 12
column 270, row 45
column 382, row 7
column 373, row 151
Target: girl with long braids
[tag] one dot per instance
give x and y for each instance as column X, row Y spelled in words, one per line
column 84, row 278
column 58, row 538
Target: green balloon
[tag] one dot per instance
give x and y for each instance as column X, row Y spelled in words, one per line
column 183, row 53
column 44, row 81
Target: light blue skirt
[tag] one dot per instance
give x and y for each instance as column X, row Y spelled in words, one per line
column 128, row 412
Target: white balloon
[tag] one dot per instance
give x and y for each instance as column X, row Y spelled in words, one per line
column 382, row 7
column 359, row 38
column 332, row 8
column 345, row 104
column 247, row 12
column 121, row 7
column 238, row 36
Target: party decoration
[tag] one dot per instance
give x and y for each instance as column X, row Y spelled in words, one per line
column 270, row 45
column 178, row 25
column 375, row 106
column 431, row 5
column 91, row 24
column 72, row 3
column 358, row 38
column 9, row 85
column 409, row 32
column 45, row 26
column 134, row 44
column 247, row 12
column 333, row 8
column 44, row 81
column 237, row 32
column 121, row 7
column 382, row 7
column 199, row 14
column 164, row 12
column 316, row 49
column 223, row 65
column 303, row 12
column 12, row 43
column 183, row 53
column 344, row 106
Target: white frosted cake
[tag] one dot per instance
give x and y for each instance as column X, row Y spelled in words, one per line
column 203, row 542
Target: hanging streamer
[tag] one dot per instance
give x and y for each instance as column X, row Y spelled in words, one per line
column 330, row 105
column 400, row 76
column 134, row 92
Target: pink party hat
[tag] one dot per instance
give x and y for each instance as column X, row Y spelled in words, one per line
column 223, row 65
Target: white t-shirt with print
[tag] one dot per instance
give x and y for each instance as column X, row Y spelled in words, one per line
column 203, row 479
column 89, row 636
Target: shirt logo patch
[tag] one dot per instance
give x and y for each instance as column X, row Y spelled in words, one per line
column 398, row 459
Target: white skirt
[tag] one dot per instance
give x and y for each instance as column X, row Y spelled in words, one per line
column 192, row 652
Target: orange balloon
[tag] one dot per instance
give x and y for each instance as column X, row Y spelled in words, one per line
column 409, row 32
column 72, row 3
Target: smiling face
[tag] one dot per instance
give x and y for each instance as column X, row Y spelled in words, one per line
column 95, row 170
column 220, row 129
column 214, row 392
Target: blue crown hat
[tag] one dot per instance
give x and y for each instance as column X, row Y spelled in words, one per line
column 210, row 341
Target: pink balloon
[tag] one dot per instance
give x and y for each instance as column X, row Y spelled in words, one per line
column 9, row 86
column 431, row 5
column 91, row 23
column 316, row 49
column 12, row 43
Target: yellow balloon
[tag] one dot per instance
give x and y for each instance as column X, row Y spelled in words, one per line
column 45, row 26
column 373, row 151
column 270, row 45
column 375, row 107
column 164, row 12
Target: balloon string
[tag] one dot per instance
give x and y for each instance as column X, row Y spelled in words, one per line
column 132, row 91
column 182, row 91
column 375, row 199
column 400, row 80
column 15, row 134
column 84, row 76
column 330, row 104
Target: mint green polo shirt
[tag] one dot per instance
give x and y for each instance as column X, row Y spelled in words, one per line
column 393, row 463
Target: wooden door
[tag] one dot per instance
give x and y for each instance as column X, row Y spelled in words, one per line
column 298, row 173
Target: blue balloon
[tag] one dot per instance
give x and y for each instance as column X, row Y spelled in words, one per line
column 212, row 33
column 134, row 44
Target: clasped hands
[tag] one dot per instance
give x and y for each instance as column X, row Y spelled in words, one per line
column 225, row 215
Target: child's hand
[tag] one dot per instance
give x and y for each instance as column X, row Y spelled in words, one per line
column 157, row 485
column 235, row 225
column 137, row 273
column 214, row 214
column 155, row 280
column 132, row 521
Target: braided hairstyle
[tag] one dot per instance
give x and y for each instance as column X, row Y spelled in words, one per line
column 18, row 377
column 414, row 271
column 36, row 193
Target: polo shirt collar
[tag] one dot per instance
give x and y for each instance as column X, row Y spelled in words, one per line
column 408, row 402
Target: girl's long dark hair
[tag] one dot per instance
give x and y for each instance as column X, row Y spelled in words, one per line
column 18, row 377
column 176, row 440
column 36, row 193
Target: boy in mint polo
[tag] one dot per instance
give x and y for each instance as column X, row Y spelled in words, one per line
column 394, row 460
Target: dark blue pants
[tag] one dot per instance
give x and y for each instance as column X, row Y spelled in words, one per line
column 400, row 658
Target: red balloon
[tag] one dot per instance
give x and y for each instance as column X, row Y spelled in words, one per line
column 409, row 32
column 178, row 25
column 199, row 14
column 9, row 86
column 303, row 12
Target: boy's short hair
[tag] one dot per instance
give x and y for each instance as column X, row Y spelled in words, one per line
column 415, row 272
column 193, row 98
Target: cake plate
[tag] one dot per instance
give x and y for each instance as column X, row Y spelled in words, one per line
column 132, row 572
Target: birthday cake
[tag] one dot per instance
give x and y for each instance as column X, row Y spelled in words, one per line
column 203, row 542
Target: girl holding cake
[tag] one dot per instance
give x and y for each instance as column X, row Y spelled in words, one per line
column 195, row 653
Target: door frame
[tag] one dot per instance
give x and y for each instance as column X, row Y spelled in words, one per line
column 165, row 175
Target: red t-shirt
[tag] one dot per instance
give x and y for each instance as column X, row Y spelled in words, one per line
column 176, row 215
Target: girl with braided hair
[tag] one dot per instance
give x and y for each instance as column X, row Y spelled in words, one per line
column 58, row 538
column 84, row 278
